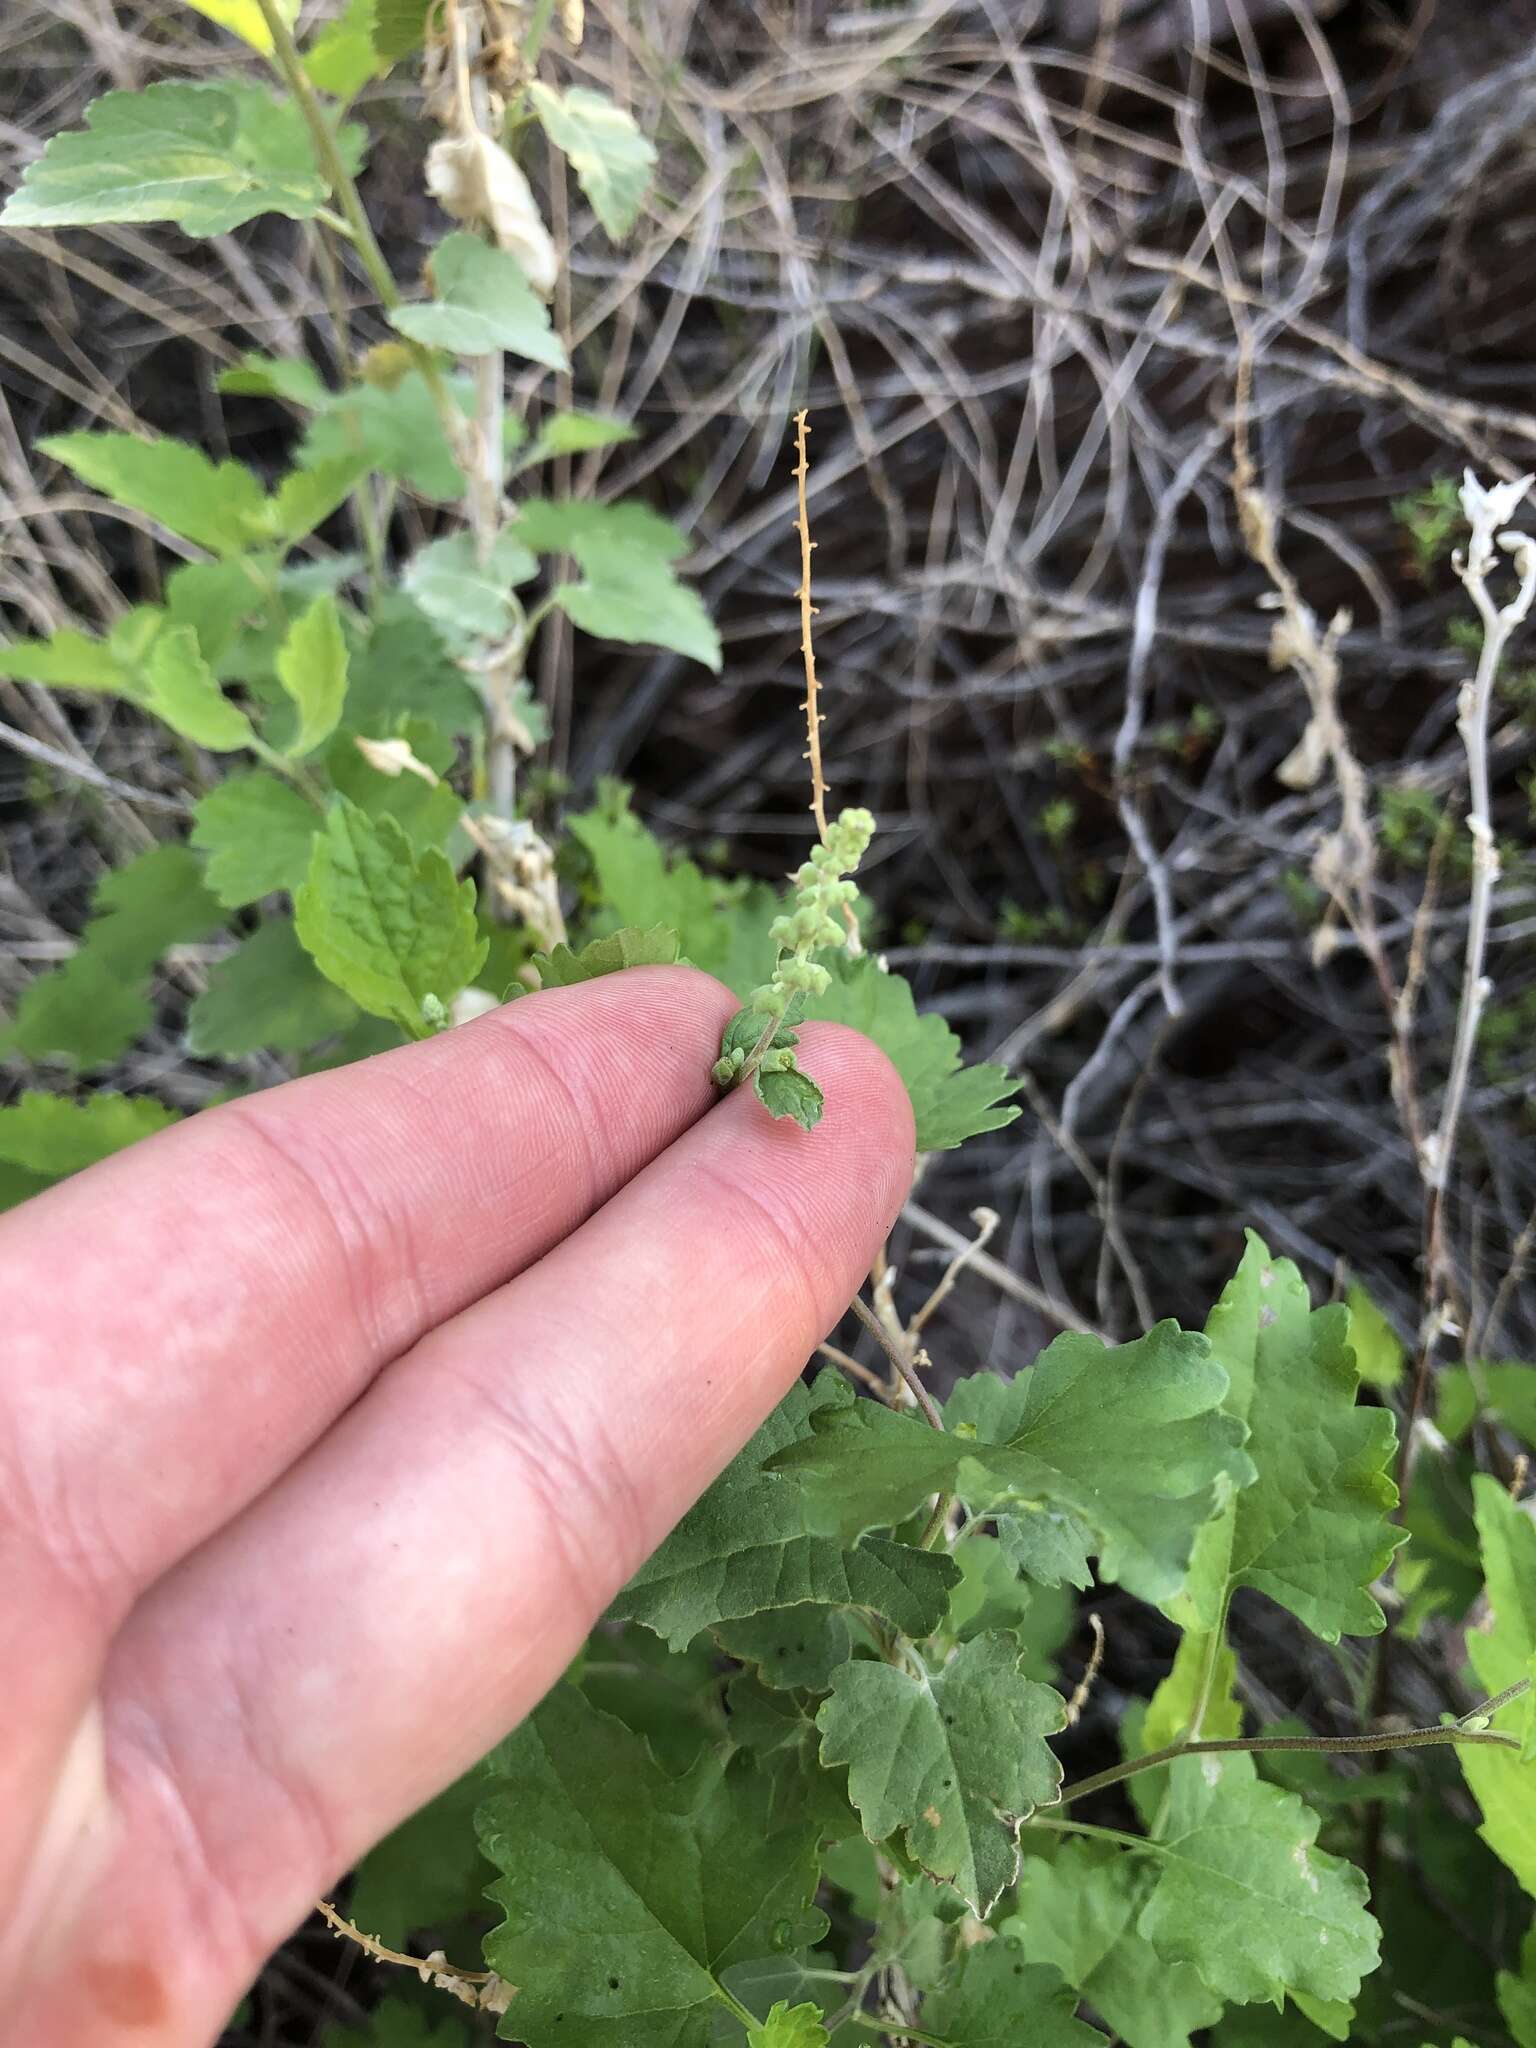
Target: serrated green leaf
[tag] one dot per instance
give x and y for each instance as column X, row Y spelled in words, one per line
column 52, row 1136
column 999, row 2001
column 68, row 660
column 267, row 995
column 402, row 670
column 483, row 302
column 215, row 599
column 795, row 1648
column 312, row 668
column 342, row 57
column 427, row 1871
column 462, row 595
column 612, row 160
column 1503, row 1781
column 1313, row 1531
column 257, row 833
column 576, row 433
column 208, row 157
column 184, row 691
column 388, row 925
column 90, row 1010
column 1079, row 1912
column 397, row 431
column 643, row 888
column 626, row 1892
column 952, row 1760
column 636, row 599
column 246, row 20
column 561, row 968
column 1047, row 1545
column 787, row 1092
column 426, row 812
column 949, row 1102
column 306, row 498
column 220, row 505
column 745, row 1547
column 1244, row 1897
column 1055, row 1436
column 790, row 2026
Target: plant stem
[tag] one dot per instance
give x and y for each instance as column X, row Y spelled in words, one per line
column 920, row 1394
column 1328, row 1745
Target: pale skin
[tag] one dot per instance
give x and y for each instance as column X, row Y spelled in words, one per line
column 330, row 1422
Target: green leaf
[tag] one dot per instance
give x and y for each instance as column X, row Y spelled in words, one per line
column 397, row 431
column 629, row 592
column 795, row 1648
column 1377, row 1347
column 216, row 598
column 952, row 1760
column 627, row 1892
column 999, row 2001
column 426, row 812
column 429, row 1870
column 246, row 20
column 788, row 1093
column 787, row 2026
column 1055, row 1436
column 396, row 2023
column 1505, row 1393
column 403, row 670
column 312, row 668
column 184, row 691
column 561, row 968
column 1502, row 1780
column 400, row 27
column 342, row 58
column 1517, row 1995
column 635, row 598
column 1079, row 1911
column 220, row 505
column 257, row 832
column 483, row 302
column 464, row 596
column 68, row 660
column 208, row 157
column 643, row 888
column 387, row 925
column 1201, row 1686
column 52, row 1136
column 1244, row 1897
column 744, row 1547
column 306, row 498
column 91, row 1009
column 612, row 160
column 266, row 995
column 950, row 1103
column 288, row 377
column 576, row 433
column 1313, row 1531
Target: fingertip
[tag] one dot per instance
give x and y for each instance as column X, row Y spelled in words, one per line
column 867, row 1114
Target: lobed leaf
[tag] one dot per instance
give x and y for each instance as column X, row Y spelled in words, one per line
column 483, row 302
column 387, row 925
column 52, row 1136
column 612, row 160
column 952, row 1760
column 257, row 832
column 997, row 2000
column 267, row 995
column 208, row 157
column 561, row 968
column 184, row 691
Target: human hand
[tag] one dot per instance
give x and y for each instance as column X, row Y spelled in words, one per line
column 331, row 1422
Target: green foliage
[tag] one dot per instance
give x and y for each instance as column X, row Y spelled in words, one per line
column 611, row 158
column 482, row 302
column 1431, row 520
column 804, row 1787
column 208, row 157
column 389, row 926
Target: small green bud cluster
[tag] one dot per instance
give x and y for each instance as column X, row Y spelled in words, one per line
column 814, row 921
